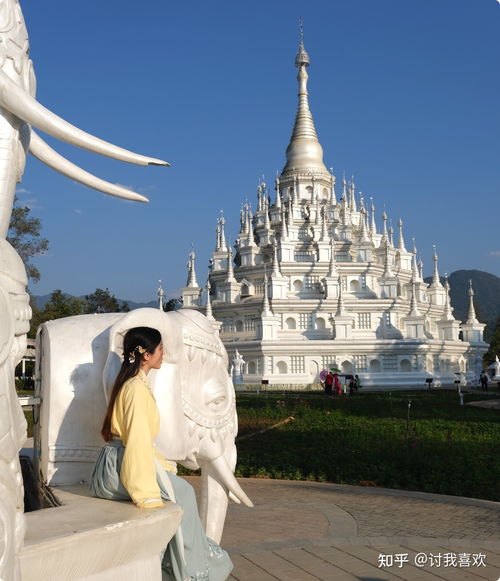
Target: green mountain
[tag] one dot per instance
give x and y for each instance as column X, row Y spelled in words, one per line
column 41, row 300
column 486, row 296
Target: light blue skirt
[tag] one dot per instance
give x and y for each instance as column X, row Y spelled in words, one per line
column 190, row 554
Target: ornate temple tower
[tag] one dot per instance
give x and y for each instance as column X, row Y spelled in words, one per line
column 315, row 283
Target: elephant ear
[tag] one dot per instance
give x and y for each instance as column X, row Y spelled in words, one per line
column 165, row 382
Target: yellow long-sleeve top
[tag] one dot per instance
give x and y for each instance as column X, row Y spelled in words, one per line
column 136, row 422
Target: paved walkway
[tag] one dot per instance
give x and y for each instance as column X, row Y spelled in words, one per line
column 305, row 531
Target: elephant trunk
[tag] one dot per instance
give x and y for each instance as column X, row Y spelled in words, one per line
column 218, row 482
column 213, row 505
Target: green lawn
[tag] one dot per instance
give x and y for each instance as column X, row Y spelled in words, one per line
column 367, row 439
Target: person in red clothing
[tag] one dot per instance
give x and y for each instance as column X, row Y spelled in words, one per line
column 329, row 383
column 336, row 384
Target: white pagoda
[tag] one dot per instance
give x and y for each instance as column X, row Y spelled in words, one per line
column 314, row 284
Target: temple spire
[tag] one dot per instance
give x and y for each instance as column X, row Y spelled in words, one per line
column 447, row 316
column 401, row 242
column 278, row 194
column 364, row 230
column 414, row 312
column 221, row 243
column 341, row 311
column 352, row 196
column 385, row 236
column 436, row 282
column 323, row 225
column 415, row 273
column 391, row 235
column 208, row 308
column 230, row 271
column 387, row 262
column 276, row 267
column 266, row 310
column 161, row 294
column 471, row 318
column 373, row 225
column 191, row 281
column 421, row 269
column 332, row 269
column 333, row 196
column 304, row 151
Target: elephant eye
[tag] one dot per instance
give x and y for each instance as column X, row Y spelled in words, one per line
column 215, row 394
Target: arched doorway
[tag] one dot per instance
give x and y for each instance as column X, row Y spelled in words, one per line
column 405, row 365
column 282, row 367
column 346, row 367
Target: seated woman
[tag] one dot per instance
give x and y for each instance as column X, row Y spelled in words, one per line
column 129, row 467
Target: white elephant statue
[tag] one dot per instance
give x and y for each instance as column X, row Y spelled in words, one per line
column 19, row 112
column 79, row 360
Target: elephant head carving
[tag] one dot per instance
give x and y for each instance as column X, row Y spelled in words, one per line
column 194, row 394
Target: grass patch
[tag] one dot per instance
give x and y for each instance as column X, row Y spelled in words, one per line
column 439, row 446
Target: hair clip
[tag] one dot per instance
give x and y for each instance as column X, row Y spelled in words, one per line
column 140, row 349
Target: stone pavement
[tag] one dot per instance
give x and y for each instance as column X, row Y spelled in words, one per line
column 305, row 531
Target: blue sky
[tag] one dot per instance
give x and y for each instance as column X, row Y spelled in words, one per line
column 405, row 97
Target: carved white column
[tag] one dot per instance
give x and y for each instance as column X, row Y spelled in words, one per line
column 15, row 315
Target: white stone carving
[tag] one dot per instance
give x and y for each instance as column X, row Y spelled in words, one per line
column 15, row 315
column 193, row 390
column 496, row 368
column 19, row 112
column 237, row 367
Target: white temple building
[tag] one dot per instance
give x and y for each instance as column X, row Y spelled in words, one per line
column 316, row 283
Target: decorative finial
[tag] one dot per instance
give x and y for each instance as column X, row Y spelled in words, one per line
column 302, row 58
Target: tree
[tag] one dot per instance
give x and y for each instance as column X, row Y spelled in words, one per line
column 494, row 349
column 24, row 236
column 102, row 301
column 59, row 305
column 173, row 304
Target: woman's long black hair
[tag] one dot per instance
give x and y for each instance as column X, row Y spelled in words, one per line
column 136, row 342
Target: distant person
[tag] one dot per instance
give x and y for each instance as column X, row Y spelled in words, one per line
column 329, row 383
column 336, row 384
column 483, row 380
column 357, row 383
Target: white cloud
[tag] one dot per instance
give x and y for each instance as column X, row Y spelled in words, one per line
column 77, row 211
column 494, row 252
column 22, row 191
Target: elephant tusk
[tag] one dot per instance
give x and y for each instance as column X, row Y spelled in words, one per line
column 21, row 104
column 42, row 151
column 226, row 477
